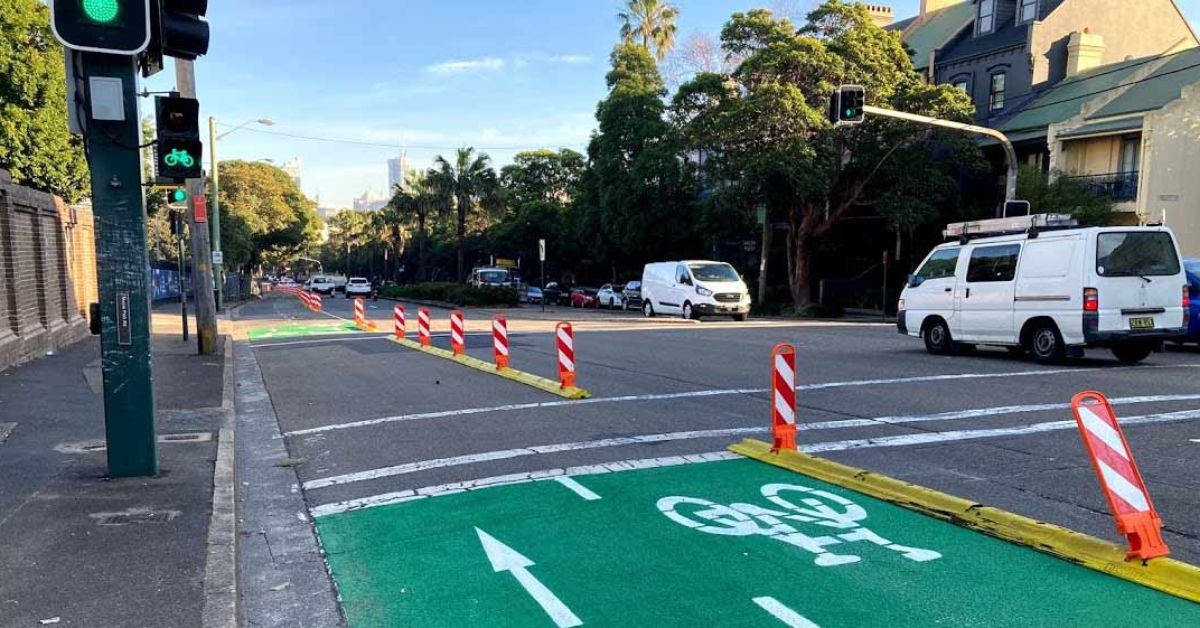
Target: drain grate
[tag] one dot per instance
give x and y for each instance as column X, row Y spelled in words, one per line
column 134, row 517
column 89, row 446
column 186, row 437
column 6, row 431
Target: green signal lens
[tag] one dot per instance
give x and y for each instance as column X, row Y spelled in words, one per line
column 102, row 11
column 178, row 196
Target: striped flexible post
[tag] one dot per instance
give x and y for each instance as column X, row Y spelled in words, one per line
column 564, row 336
column 398, row 320
column 458, row 342
column 500, row 341
column 783, row 398
column 423, row 319
column 314, row 301
column 1112, row 460
column 360, row 312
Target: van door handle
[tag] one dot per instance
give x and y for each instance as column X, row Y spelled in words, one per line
column 968, row 293
column 949, row 290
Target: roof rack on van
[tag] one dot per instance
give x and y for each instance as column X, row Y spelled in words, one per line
column 1004, row 226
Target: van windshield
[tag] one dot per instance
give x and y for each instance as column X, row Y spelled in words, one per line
column 1136, row 253
column 493, row 276
column 713, row 272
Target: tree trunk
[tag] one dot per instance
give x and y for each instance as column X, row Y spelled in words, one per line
column 801, row 293
column 421, row 237
column 462, row 243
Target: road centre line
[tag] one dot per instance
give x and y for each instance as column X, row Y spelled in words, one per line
column 441, row 414
column 516, row 478
column 784, row 614
column 843, row 445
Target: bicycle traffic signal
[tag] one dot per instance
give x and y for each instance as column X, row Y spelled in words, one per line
column 177, row 30
column 178, row 144
column 120, row 27
column 846, row 105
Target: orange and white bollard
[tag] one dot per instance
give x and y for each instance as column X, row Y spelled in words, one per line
column 783, row 398
column 1123, row 486
column 423, row 326
column 458, row 342
column 303, row 296
column 314, row 301
column 360, row 312
column 500, row 341
column 398, row 320
column 565, row 338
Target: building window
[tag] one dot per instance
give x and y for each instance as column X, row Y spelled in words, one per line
column 1028, row 11
column 1131, row 153
column 961, row 84
column 987, row 15
column 996, row 94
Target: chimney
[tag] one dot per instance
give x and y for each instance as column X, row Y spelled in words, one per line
column 881, row 14
column 1084, row 52
column 929, row 6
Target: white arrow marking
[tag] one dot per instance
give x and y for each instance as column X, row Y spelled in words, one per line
column 783, row 613
column 505, row 558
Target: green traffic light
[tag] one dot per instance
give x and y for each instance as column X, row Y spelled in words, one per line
column 179, row 195
column 102, row 11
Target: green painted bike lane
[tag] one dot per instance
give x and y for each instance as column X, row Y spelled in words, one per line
column 696, row 545
column 294, row 330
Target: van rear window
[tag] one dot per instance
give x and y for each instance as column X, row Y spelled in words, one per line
column 1136, row 253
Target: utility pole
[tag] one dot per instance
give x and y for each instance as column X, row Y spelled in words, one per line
column 177, row 219
column 123, row 267
column 215, row 175
column 202, row 268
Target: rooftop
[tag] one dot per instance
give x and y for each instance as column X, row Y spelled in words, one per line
column 937, row 28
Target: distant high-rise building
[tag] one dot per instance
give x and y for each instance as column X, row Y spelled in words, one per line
column 294, row 169
column 398, row 171
column 370, row 202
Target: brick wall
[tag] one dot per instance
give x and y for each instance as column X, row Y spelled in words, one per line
column 47, row 272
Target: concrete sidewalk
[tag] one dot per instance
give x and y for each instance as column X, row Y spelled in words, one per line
column 79, row 549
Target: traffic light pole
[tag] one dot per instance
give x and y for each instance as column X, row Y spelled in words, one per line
column 123, row 268
column 1010, row 184
column 202, row 275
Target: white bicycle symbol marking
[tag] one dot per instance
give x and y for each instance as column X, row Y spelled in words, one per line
column 748, row 519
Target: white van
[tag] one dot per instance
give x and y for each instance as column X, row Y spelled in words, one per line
column 693, row 289
column 1049, row 288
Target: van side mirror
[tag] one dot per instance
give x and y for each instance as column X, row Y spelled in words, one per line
column 915, row 280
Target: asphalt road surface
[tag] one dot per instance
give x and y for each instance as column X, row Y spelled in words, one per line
column 378, row 426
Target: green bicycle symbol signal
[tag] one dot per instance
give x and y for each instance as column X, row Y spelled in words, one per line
column 179, row 157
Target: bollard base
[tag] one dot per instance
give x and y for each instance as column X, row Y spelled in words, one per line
column 529, row 379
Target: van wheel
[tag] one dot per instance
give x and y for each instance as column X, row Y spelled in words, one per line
column 688, row 314
column 741, row 318
column 1132, row 352
column 937, row 338
column 647, row 309
column 1046, row 344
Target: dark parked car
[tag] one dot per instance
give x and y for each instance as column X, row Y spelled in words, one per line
column 633, row 295
column 1193, row 275
column 553, row 292
column 584, row 297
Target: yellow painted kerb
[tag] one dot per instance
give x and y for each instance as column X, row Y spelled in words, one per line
column 529, row 379
column 1164, row 574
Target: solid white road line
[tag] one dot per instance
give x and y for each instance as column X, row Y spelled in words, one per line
column 520, row 452
column 945, row 416
column 922, row 438
column 515, row 478
column 579, row 489
column 783, row 613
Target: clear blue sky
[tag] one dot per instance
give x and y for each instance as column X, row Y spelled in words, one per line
column 500, row 75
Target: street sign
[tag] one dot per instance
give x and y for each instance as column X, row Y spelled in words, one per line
column 541, row 250
column 218, row 257
column 201, row 209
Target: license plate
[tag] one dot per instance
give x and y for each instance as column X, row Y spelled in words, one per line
column 1141, row 323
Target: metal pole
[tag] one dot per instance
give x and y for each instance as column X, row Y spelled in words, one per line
column 202, row 276
column 1010, row 153
column 182, row 285
column 218, row 270
column 885, row 278
column 123, row 272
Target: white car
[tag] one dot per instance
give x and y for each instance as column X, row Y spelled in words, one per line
column 358, row 287
column 693, row 289
column 610, row 296
column 1050, row 288
column 324, row 285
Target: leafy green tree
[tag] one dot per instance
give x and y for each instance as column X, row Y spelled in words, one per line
column 652, row 22
column 35, row 146
column 1063, row 195
column 635, row 203
column 417, row 201
column 542, row 175
column 470, row 185
column 264, row 215
column 765, row 139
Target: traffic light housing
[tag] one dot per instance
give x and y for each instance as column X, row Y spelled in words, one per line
column 178, row 145
column 177, row 198
column 178, row 29
column 120, row 27
column 846, row 106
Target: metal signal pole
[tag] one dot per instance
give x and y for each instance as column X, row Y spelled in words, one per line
column 202, row 268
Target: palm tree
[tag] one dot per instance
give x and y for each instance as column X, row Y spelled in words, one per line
column 653, row 21
column 388, row 224
column 418, row 199
column 469, row 184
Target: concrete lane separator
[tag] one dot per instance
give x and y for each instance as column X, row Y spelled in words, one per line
column 1163, row 574
column 529, row 379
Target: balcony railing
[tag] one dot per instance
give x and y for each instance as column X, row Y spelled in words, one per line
column 1119, row 186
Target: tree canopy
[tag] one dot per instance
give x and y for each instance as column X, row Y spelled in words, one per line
column 35, row 145
column 264, row 215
